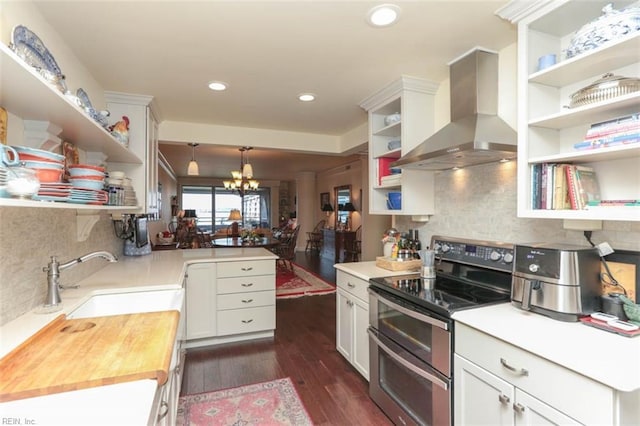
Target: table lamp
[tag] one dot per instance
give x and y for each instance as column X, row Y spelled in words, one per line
column 235, row 215
column 348, row 207
column 327, row 208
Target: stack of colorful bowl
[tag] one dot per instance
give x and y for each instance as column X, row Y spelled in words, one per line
column 48, row 168
column 87, row 184
column 47, row 165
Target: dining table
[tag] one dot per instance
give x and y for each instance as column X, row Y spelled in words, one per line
column 264, row 242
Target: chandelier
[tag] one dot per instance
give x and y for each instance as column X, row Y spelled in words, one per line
column 243, row 181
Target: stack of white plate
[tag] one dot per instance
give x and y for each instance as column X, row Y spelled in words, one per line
column 3, row 182
column 130, row 198
column 119, row 183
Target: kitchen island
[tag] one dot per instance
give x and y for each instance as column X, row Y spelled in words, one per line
column 127, row 402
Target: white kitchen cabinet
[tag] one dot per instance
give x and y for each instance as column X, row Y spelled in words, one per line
column 548, row 129
column 27, row 95
column 230, row 301
column 483, row 398
column 413, row 100
column 246, row 297
column 201, row 300
column 352, row 320
column 143, row 141
column 504, row 384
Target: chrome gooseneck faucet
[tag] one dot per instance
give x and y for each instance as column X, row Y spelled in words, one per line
column 54, row 268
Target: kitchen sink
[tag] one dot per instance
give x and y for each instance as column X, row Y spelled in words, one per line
column 129, row 303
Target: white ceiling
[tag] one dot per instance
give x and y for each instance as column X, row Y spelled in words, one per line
column 268, row 52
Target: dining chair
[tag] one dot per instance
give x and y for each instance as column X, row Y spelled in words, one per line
column 353, row 248
column 286, row 250
column 314, row 238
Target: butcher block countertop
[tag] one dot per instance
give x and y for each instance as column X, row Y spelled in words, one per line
column 124, row 402
column 81, row 353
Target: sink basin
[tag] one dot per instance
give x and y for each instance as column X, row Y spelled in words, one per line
column 102, row 305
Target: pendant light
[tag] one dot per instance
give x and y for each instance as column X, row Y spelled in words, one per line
column 243, row 181
column 192, row 169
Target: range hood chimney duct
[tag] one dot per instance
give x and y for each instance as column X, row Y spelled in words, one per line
column 475, row 135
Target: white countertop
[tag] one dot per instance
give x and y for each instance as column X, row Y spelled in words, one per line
column 127, row 403
column 608, row 358
column 368, row 270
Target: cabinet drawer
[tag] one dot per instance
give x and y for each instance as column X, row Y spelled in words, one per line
column 352, row 284
column 248, row 320
column 246, row 268
column 573, row 394
column 246, row 300
column 246, row 284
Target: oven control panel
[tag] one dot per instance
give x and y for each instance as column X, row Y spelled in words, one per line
column 494, row 255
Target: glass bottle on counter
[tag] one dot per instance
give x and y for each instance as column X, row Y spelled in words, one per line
column 417, row 246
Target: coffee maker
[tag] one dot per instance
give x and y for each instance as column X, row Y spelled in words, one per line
column 556, row 280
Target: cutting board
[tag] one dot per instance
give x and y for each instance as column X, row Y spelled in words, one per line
column 394, row 265
column 83, row 353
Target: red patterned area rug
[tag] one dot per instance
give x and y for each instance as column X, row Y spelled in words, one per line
column 268, row 403
column 300, row 283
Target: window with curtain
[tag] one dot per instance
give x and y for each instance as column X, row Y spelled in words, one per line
column 213, row 204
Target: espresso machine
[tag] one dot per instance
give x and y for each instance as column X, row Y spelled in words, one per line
column 556, row 280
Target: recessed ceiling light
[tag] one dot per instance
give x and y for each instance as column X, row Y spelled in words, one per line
column 217, row 85
column 307, row 97
column 383, row 15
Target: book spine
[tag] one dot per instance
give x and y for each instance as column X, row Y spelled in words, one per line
column 560, row 187
column 535, row 186
column 608, row 131
column 543, row 186
column 587, row 184
column 573, row 198
column 631, row 118
column 551, row 182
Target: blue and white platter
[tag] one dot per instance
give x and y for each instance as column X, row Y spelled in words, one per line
column 85, row 103
column 612, row 25
column 28, row 46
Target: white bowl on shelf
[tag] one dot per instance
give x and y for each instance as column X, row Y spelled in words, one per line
column 392, row 118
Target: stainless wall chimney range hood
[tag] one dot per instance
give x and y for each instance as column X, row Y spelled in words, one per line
column 475, row 135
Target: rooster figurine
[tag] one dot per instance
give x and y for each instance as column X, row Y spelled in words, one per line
column 120, row 130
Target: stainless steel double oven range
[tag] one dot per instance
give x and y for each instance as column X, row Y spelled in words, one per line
column 411, row 331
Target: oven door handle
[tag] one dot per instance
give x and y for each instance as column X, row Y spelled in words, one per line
column 420, row 372
column 420, row 317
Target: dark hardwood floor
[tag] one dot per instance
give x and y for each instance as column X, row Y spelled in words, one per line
column 303, row 349
column 311, row 261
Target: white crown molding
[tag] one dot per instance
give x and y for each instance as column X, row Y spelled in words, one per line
column 516, row 10
column 396, row 87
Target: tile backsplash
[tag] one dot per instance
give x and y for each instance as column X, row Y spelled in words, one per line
column 480, row 203
column 30, row 236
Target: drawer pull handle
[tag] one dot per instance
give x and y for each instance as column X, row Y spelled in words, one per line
column 504, row 399
column 247, row 301
column 247, row 321
column 247, row 269
column 518, row 408
column 246, row 284
column 518, row 371
column 351, row 285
